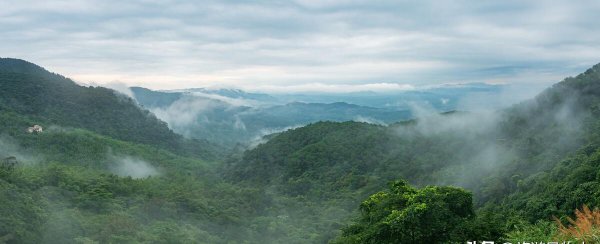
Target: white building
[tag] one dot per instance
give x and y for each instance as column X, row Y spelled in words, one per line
column 35, row 129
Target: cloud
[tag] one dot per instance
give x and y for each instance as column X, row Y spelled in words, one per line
column 119, row 87
column 431, row 122
column 185, row 112
column 261, row 137
column 133, row 167
column 231, row 101
column 9, row 147
column 369, row 120
column 506, row 96
column 170, row 44
column 333, row 88
column 239, row 124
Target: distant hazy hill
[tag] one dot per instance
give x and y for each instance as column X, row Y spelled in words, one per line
column 233, row 93
column 231, row 116
column 153, row 99
column 51, row 99
column 197, row 114
column 442, row 98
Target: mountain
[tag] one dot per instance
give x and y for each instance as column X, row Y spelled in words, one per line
column 304, row 113
column 442, row 98
column 155, row 99
column 52, row 99
column 231, row 122
column 503, row 157
column 236, row 118
column 106, row 170
column 232, row 93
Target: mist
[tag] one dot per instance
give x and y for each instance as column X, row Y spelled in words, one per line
column 506, row 96
column 133, row 167
column 185, row 113
column 368, row 120
column 263, row 133
column 9, row 147
column 486, row 142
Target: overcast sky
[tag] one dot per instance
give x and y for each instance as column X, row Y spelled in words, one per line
column 303, row 44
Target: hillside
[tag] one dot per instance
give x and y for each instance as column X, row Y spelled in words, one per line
column 494, row 155
column 73, row 186
column 105, row 170
column 51, row 99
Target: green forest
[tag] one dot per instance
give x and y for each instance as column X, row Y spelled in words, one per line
column 106, row 170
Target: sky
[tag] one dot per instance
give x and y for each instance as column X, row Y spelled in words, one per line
column 303, row 45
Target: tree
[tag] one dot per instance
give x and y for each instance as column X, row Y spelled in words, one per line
column 404, row 214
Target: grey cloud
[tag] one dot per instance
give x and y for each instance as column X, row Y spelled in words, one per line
column 175, row 44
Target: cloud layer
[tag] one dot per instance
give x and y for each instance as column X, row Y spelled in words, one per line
column 169, row 44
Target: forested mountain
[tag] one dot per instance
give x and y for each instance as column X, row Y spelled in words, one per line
column 51, row 99
column 503, row 157
column 232, row 117
column 105, row 170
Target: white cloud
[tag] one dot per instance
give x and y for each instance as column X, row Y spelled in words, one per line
column 172, row 44
column 119, row 87
column 333, row 88
column 133, row 167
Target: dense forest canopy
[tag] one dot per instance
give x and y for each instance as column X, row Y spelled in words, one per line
column 106, row 170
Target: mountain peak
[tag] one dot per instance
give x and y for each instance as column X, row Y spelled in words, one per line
column 19, row 66
column 586, row 82
column 14, row 65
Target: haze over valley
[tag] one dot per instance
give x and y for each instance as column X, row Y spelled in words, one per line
column 341, row 122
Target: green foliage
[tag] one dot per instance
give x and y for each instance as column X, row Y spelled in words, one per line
column 540, row 231
column 55, row 203
column 21, row 214
column 50, row 99
column 536, row 160
column 407, row 215
column 504, row 159
column 64, row 180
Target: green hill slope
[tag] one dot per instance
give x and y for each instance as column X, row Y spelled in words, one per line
column 336, row 165
column 50, row 99
column 105, row 171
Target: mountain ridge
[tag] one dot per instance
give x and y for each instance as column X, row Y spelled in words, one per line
column 31, row 90
column 74, row 181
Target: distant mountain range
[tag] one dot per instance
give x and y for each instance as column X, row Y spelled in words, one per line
column 232, row 116
column 442, row 97
column 231, row 93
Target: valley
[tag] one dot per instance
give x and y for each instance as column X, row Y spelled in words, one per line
column 185, row 167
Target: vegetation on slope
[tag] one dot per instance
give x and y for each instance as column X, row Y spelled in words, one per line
column 74, row 186
column 51, row 99
column 428, row 215
column 497, row 156
column 106, row 171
